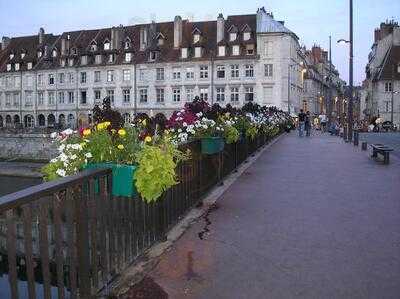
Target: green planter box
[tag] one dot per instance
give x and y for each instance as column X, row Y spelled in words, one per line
column 212, row 145
column 122, row 178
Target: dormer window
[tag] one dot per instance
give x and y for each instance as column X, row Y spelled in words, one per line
column 8, row 67
column 196, row 38
column 84, row 60
column 54, row 53
column 160, row 41
column 62, row 62
column 17, row 66
column 93, row 47
column 221, row 51
column 153, row 56
column 246, row 35
column 184, row 53
column 107, row 45
column 128, row 57
column 236, row 50
column 11, row 56
column 71, row 62
column 197, row 52
column 29, row 65
column 232, row 37
column 127, row 44
column 111, row 58
column 398, row 68
column 97, row 59
column 22, row 55
column 39, row 54
column 250, row 50
column 73, row 51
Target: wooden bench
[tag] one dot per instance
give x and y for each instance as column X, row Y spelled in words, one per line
column 381, row 149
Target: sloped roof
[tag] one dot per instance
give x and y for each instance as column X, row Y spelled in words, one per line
column 267, row 24
column 389, row 69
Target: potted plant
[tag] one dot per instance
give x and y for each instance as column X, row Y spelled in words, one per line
column 211, row 135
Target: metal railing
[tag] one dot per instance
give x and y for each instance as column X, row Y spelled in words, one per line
column 73, row 237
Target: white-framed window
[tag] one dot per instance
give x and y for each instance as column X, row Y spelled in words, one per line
column 388, row 106
column 16, row 99
column 142, row 74
column 110, row 76
column 128, row 57
column 160, row 95
column 143, row 95
column 232, row 36
column 196, row 38
column 204, row 94
column 127, row 44
column 11, row 56
column 29, row 81
column 17, row 66
column 234, row 94
column 29, row 65
column 250, row 49
column 189, row 73
column 249, row 70
column 97, row 76
column 220, row 94
column 51, row 79
column 51, row 97
column 61, row 78
column 126, row 95
column 189, row 94
column 184, row 53
column 126, row 74
column 268, row 49
column 83, row 77
column 28, row 98
column 40, row 98
column 83, row 97
column 203, row 71
column 388, row 86
column 54, row 53
column 97, row 59
column 246, row 35
column 84, row 60
column 97, row 96
column 249, row 94
column 8, row 99
column 71, row 78
column 110, row 58
column 39, row 54
column 71, row 97
column 110, row 95
column 268, row 70
column 62, row 62
column 221, row 51
column 160, row 75
column 61, row 98
column 197, row 52
column 93, row 47
column 235, row 50
column 153, row 56
column 176, row 94
column 70, row 61
column 107, row 45
column 176, row 73
column 235, row 71
column 17, row 81
column 220, row 71
column 8, row 67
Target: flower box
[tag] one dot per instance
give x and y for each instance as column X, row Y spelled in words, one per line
column 122, row 178
column 212, row 145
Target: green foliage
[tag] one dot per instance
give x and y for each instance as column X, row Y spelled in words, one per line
column 49, row 171
column 100, row 145
column 231, row 134
column 251, row 132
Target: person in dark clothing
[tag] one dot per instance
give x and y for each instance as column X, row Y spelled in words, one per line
column 308, row 124
column 302, row 121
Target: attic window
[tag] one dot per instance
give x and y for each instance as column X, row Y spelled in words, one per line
column 250, row 50
column 160, row 41
column 153, row 56
column 246, row 36
column 11, row 56
column 29, row 65
column 54, row 53
column 8, row 67
column 107, row 45
column 197, row 52
column 70, row 61
column 127, row 44
column 62, row 62
column 22, row 55
column 128, row 57
column 73, row 51
column 84, row 60
column 221, row 51
column 17, row 66
column 93, row 47
column 111, row 58
column 196, row 38
column 235, row 50
column 232, row 37
column 97, row 59
column 184, row 53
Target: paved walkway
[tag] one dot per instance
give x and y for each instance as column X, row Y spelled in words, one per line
column 312, row 218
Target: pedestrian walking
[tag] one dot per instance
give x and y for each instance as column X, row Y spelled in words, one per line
column 302, row 121
column 323, row 120
column 308, row 124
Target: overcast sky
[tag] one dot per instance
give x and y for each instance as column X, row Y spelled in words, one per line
column 312, row 20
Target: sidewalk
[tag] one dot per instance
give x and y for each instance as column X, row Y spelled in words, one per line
column 312, row 218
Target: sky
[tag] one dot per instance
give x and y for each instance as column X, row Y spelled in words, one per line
column 312, row 20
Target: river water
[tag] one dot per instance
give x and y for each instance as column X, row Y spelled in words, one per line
column 9, row 184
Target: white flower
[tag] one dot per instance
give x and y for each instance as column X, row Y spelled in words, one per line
column 179, row 130
column 88, row 155
column 61, row 172
column 68, row 132
column 54, row 135
column 61, row 148
column 54, row 160
column 184, row 124
column 73, row 157
column 63, row 157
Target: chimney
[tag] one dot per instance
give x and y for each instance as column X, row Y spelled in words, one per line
column 377, row 34
column 63, row 46
column 220, row 28
column 41, row 36
column 5, row 41
column 177, row 32
column 153, row 29
column 46, row 51
column 143, row 38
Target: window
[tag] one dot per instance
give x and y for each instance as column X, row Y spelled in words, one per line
column 249, row 71
column 40, row 98
column 97, row 96
column 197, row 52
column 220, row 71
column 8, row 99
column 71, row 97
column 196, row 38
column 235, row 94
column 176, row 73
column 388, row 87
column 249, row 49
column 71, row 77
column 29, row 81
column 97, row 76
column 111, row 58
column 126, row 75
column 97, row 59
column 203, row 71
column 160, row 41
column 61, row 97
column 83, row 97
column 11, row 56
column 189, row 94
column 235, row 50
column 153, row 56
column 249, row 94
column 388, row 106
column 128, row 57
column 143, row 95
column 268, row 50
column 16, row 99
column 61, row 78
column 17, row 66
column 28, row 98
column 142, row 74
column 127, row 95
column 220, row 94
column 221, row 51
column 39, row 54
column 62, row 62
column 184, row 53
column 176, row 94
column 159, row 74
column 51, row 79
column 189, row 73
column 93, row 47
column 127, row 44
column 84, row 60
column 51, row 98
column 246, row 36
column 235, row 71
column 268, row 70
column 160, row 95
column 71, row 62
column 8, row 67
column 29, row 65
column 110, row 76
column 83, row 77
column 268, row 95
column 107, row 45
column 54, row 53
column 232, row 37
column 110, row 95
column 204, row 94
column 398, row 68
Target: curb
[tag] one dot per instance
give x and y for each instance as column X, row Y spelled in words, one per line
column 135, row 273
